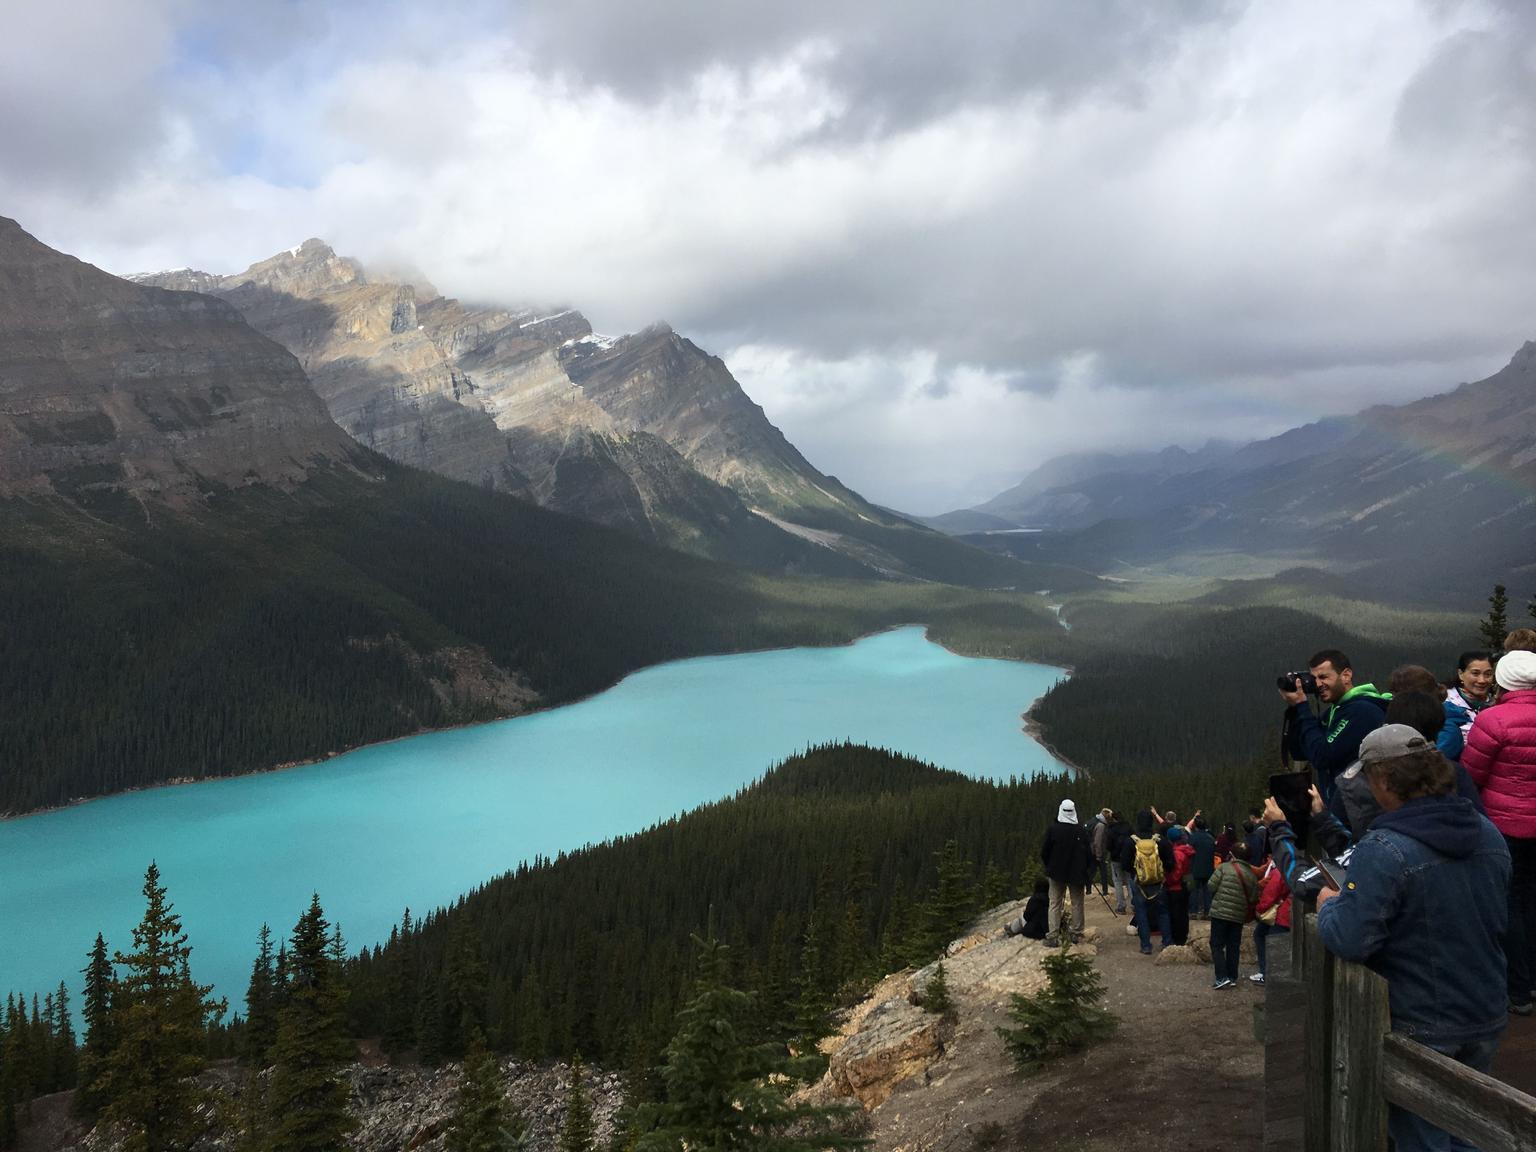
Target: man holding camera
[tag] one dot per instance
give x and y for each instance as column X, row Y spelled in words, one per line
column 1330, row 743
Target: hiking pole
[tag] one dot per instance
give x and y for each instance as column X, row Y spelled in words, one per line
column 1104, row 896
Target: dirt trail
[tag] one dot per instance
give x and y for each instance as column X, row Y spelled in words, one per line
column 1182, row 1071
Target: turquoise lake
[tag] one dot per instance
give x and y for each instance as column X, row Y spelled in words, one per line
column 419, row 821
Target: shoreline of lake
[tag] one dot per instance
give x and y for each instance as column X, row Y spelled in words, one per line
column 1031, row 728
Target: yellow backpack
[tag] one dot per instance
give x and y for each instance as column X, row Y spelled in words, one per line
column 1149, row 864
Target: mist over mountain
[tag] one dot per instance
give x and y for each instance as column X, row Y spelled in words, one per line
column 1429, row 499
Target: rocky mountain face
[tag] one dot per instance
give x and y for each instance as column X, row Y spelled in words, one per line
column 646, row 432
column 111, row 390
column 1436, row 498
column 528, row 401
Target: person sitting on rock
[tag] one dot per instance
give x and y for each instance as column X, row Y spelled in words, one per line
column 1068, row 859
column 1031, row 923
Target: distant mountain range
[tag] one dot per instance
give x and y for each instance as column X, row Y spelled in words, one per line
column 1433, row 500
column 646, row 433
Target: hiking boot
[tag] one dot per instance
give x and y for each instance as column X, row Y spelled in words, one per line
column 1223, row 985
column 1522, row 1009
column 1147, row 951
column 1051, row 942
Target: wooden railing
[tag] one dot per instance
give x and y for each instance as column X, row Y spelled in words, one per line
column 1354, row 1066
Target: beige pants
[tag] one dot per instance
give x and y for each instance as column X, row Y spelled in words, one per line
column 1058, row 890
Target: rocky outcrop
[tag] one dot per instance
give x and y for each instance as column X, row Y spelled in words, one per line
column 396, row 1108
column 889, row 1041
column 111, row 390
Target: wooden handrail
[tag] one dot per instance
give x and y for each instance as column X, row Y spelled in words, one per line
column 1354, row 1065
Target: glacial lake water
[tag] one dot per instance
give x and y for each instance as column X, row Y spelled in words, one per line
column 418, row 821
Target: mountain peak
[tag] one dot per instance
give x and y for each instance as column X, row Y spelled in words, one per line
column 121, row 411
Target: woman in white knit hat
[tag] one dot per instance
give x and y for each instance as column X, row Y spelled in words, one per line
column 1500, row 756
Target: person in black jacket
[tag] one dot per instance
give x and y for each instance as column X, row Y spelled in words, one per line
column 1114, row 842
column 1031, row 922
column 1068, row 859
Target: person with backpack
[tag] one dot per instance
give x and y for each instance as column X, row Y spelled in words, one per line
column 1147, row 857
column 1234, row 895
column 1201, row 864
column 1175, row 887
column 1273, row 915
column 1115, row 838
column 1068, row 859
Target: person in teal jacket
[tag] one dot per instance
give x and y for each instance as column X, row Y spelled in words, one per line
column 1331, row 743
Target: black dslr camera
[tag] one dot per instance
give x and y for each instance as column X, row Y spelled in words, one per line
column 1291, row 681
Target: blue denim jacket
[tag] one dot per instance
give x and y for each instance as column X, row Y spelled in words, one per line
column 1426, row 906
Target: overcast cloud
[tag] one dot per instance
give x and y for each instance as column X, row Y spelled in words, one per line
column 938, row 244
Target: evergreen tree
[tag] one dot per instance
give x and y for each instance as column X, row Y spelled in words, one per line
column 483, row 1120
column 66, row 1058
column 261, row 1004
column 813, row 1008
column 952, row 903
column 1063, row 1017
column 465, row 978
column 306, row 1098
column 160, row 1021
column 1495, row 626
column 577, row 1134
column 400, row 990
column 99, row 1034
column 936, row 998
column 724, row 1093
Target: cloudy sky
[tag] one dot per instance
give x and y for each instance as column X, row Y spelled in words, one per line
column 938, row 243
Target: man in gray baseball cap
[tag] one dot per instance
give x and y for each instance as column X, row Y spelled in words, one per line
column 1425, row 904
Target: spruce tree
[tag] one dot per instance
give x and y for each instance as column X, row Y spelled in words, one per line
column 483, row 1120
column 952, row 903
column 578, row 1133
column 66, row 1058
column 400, row 989
column 306, row 1098
column 261, row 1004
column 936, row 998
column 1063, row 1017
column 1495, row 626
column 160, row 1021
column 724, row 1093
column 99, row 1037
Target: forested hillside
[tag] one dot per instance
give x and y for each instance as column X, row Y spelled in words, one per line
column 1191, row 685
column 284, row 626
column 840, row 865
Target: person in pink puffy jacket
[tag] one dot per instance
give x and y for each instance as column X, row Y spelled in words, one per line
column 1501, row 759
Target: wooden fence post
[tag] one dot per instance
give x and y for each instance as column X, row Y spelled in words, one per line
column 1317, row 1056
column 1361, row 1020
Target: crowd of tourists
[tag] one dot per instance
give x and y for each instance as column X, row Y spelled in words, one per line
column 1427, row 791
